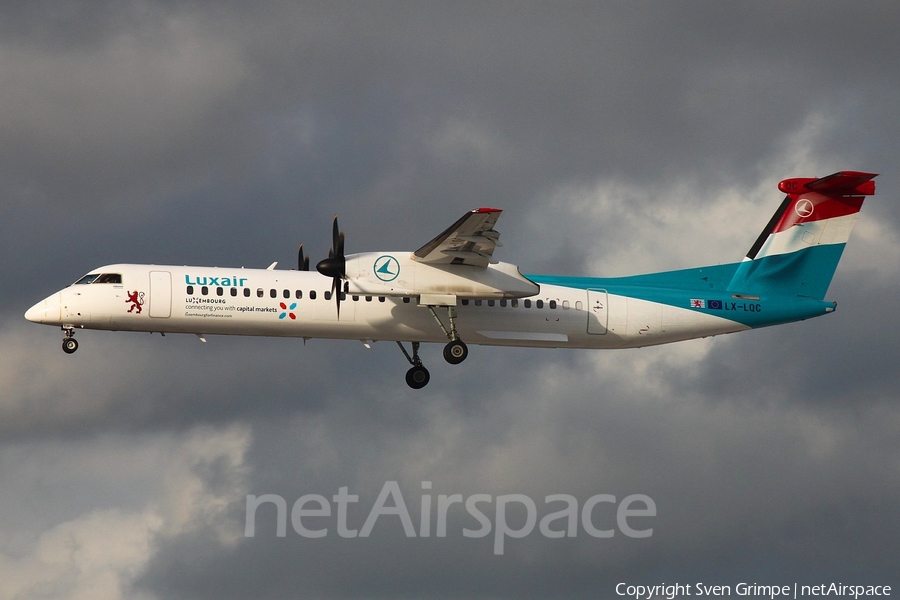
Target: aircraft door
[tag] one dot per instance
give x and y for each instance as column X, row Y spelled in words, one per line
column 598, row 312
column 160, row 294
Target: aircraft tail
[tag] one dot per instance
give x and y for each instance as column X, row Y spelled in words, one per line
column 798, row 251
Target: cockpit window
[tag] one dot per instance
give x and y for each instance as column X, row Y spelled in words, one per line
column 100, row 278
column 109, row 278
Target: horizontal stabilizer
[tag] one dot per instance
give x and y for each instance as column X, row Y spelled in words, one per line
column 842, row 183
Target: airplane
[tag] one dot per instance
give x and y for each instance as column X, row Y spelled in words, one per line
column 451, row 290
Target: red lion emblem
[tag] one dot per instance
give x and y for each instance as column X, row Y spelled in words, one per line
column 137, row 299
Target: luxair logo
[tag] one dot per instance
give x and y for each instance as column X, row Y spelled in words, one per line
column 387, row 268
column 804, row 208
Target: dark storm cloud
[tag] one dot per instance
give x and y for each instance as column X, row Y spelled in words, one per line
column 618, row 137
column 567, row 92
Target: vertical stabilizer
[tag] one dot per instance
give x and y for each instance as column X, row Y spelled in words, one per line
column 798, row 251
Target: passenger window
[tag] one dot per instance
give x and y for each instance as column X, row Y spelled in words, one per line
column 246, row 292
column 312, row 294
column 219, row 291
column 368, row 298
column 528, row 304
column 286, row 294
column 259, row 293
column 491, row 303
column 273, row 293
column 465, row 301
column 503, row 303
column 190, row 290
column 356, row 298
column 204, row 290
column 565, row 305
column 234, row 291
column 578, row 305
column 539, row 304
column 343, row 296
column 328, row 295
column 381, row 298
column 514, row 302
column 478, row 303
column 406, row 300
column 298, row 294
column 553, row 304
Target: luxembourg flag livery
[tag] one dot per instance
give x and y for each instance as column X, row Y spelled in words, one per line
column 798, row 251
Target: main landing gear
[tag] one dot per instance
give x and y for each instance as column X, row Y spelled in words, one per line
column 455, row 351
column 69, row 343
column 417, row 377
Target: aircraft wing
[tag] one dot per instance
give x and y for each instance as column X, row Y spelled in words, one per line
column 469, row 241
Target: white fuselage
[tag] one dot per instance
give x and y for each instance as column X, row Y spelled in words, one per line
column 208, row 300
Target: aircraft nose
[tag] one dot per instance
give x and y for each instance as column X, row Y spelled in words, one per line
column 45, row 311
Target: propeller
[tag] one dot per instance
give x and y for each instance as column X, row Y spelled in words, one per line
column 335, row 266
column 302, row 261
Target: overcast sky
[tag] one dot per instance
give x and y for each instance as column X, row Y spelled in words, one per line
column 618, row 138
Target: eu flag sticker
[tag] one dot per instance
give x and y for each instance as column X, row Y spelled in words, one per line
column 714, row 304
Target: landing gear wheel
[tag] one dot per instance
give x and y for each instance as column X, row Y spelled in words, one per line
column 69, row 345
column 417, row 377
column 455, row 352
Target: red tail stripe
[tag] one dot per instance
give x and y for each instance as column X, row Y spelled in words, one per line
column 809, row 207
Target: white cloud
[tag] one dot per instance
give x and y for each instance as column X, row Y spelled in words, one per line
column 99, row 554
column 626, row 228
column 92, row 557
column 623, row 228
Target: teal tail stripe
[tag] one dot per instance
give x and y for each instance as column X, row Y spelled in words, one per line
column 782, row 288
column 806, row 273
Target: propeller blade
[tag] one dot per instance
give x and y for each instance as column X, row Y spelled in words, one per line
column 336, row 292
column 334, row 235
column 302, row 261
column 335, row 266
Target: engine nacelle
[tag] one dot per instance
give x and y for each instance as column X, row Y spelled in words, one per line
column 398, row 274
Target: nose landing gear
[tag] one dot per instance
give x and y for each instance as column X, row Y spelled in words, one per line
column 69, row 343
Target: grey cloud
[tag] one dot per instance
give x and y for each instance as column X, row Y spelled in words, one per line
column 613, row 135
